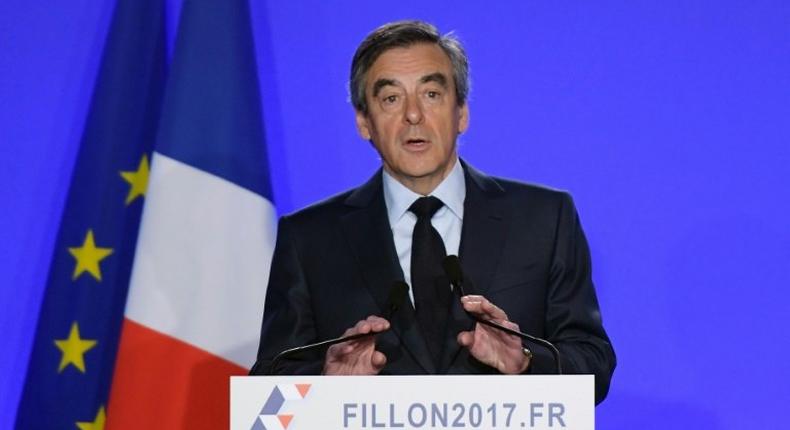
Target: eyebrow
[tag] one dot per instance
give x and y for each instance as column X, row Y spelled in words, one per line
column 381, row 83
column 437, row 77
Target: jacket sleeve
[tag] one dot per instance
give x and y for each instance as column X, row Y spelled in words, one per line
column 573, row 317
column 287, row 316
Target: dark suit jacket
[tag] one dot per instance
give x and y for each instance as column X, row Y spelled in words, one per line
column 522, row 247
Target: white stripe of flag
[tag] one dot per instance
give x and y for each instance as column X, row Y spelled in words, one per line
column 202, row 261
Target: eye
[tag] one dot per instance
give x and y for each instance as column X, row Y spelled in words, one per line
column 434, row 96
column 390, row 99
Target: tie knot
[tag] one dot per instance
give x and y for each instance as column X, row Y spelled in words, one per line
column 426, row 207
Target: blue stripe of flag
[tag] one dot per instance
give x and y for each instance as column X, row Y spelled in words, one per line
column 212, row 114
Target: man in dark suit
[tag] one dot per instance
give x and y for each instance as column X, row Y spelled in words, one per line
column 520, row 245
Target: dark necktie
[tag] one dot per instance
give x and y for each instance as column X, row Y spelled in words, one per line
column 429, row 284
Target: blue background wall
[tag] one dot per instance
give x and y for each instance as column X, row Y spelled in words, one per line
column 669, row 121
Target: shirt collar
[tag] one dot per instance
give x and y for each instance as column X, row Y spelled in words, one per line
column 451, row 191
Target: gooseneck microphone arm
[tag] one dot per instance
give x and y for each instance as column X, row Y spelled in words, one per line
column 452, row 268
column 396, row 298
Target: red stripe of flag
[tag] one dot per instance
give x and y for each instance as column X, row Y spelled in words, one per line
column 192, row 385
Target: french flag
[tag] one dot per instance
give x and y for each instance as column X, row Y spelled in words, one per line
column 206, row 238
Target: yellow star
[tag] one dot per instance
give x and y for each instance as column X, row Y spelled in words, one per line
column 138, row 180
column 97, row 424
column 74, row 349
column 88, row 257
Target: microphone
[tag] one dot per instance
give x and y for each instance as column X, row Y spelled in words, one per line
column 396, row 298
column 452, row 268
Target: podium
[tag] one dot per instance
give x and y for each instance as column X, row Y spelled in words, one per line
column 491, row 402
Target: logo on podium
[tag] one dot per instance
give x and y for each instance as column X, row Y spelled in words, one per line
column 270, row 417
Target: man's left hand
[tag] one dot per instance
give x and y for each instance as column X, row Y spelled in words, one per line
column 491, row 346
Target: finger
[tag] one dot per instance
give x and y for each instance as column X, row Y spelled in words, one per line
column 479, row 305
column 362, row 342
column 354, row 346
column 511, row 325
column 377, row 324
column 371, row 323
column 465, row 338
column 355, row 329
column 475, row 307
column 333, row 351
column 493, row 310
column 505, row 339
column 336, row 352
column 471, row 303
column 362, row 327
column 378, row 360
column 490, row 309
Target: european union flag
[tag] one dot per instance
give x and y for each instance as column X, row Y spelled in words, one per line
column 73, row 356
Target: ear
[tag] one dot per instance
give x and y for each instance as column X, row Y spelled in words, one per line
column 363, row 127
column 463, row 118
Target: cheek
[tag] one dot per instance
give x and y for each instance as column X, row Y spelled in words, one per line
column 389, row 133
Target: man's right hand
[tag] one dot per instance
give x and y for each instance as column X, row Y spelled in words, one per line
column 358, row 357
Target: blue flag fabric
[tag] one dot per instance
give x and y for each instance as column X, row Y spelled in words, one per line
column 73, row 354
column 211, row 118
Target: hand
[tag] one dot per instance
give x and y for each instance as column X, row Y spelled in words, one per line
column 491, row 346
column 357, row 357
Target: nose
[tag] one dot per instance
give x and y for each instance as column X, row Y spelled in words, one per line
column 413, row 114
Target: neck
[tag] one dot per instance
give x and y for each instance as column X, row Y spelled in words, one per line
column 424, row 185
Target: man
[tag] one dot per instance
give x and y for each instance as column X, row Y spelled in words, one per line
column 521, row 246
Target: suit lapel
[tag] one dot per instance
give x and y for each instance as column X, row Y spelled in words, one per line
column 483, row 232
column 369, row 234
column 484, row 229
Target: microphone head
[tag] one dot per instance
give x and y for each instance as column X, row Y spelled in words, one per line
column 452, row 268
column 398, row 293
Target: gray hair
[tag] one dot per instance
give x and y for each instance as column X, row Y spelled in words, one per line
column 403, row 34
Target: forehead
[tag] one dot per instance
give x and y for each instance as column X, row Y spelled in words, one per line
column 406, row 64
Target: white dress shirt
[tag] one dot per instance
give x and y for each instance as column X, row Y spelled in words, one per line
column 447, row 220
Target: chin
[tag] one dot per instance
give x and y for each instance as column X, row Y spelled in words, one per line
column 419, row 170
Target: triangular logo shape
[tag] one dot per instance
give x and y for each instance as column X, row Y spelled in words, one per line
column 303, row 389
column 285, row 420
column 258, row 424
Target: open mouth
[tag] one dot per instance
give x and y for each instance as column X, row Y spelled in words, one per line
column 416, row 145
column 416, row 141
